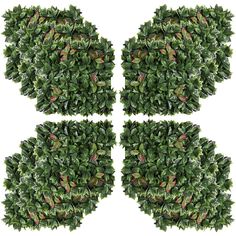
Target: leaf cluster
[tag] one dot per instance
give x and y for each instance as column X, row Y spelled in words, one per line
column 60, row 176
column 175, row 175
column 60, row 60
column 175, row 60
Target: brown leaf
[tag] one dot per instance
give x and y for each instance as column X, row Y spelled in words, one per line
column 171, row 177
column 64, row 53
column 186, row 201
column 65, row 183
column 141, row 77
column 201, row 218
column 171, row 183
column 142, row 53
column 179, row 35
column 194, row 216
column 186, row 34
column 73, row 51
column 73, row 184
column 57, row 200
column 162, row 184
column 182, row 137
column 94, row 157
column 34, row 18
column 34, row 217
column 94, row 77
column 141, row 158
column 163, row 51
column 49, row 35
column 53, row 98
column 194, row 19
column 178, row 200
column 155, row 36
column 42, row 216
column 201, row 18
column 50, row 201
column 53, row 136
column 171, row 52
column 93, row 54
column 183, row 98
column 134, row 181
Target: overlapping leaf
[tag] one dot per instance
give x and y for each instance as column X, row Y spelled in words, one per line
column 60, row 60
column 176, row 176
column 176, row 60
column 59, row 176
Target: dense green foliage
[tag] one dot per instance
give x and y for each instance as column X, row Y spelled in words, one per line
column 176, row 177
column 59, row 60
column 59, row 176
column 175, row 60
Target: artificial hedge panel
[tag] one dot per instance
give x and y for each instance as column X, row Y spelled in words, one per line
column 59, row 176
column 194, row 26
column 21, row 20
column 48, row 36
column 51, row 47
column 88, row 66
column 176, row 176
column 217, row 32
column 152, row 83
column 175, row 60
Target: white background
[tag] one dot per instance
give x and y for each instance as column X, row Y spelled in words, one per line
column 117, row 21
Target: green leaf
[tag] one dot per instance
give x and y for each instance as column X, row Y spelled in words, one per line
column 93, row 86
column 101, row 83
column 136, row 60
column 93, row 148
column 99, row 61
column 101, row 152
column 141, row 148
column 99, row 175
column 136, row 175
column 134, row 152
column 134, row 83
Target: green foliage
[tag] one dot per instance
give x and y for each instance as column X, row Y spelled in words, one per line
column 175, row 60
column 59, row 60
column 59, row 176
column 176, row 177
